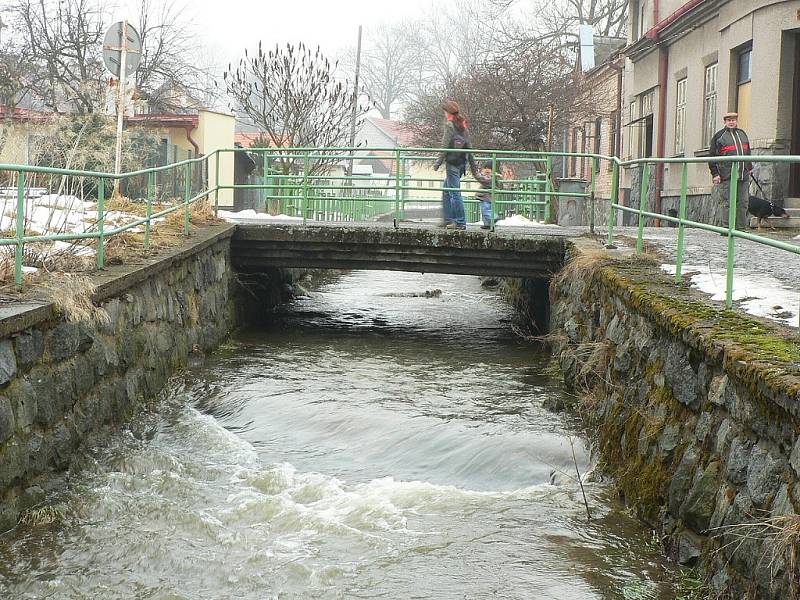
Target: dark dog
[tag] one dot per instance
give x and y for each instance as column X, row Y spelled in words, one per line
column 761, row 209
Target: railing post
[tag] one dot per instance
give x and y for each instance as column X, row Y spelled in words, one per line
column 591, row 195
column 612, row 214
column 149, row 210
column 101, row 217
column 265, row 167
column 20, row 233
column 493, row 197
column 644, row 188
column 734, row 189
column 187, row 193
column 216, row 183
column 549, row 188
column 305, row 186
column 681, row 226
column 396, row 188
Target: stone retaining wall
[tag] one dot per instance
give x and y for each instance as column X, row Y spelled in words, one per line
column 696, row 412
column 60, row 381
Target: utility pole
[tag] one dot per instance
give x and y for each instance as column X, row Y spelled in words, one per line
column 550, row 128
column 355, row 106
column 121, row 104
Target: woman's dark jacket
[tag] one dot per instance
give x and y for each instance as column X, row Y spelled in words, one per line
column 457, row 159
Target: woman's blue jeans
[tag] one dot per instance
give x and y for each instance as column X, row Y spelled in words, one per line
column 486, row 212
column 453, row 202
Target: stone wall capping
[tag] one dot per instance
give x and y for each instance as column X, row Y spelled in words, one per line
column 17, row 317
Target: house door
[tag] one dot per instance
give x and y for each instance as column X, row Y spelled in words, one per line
column 794, row 170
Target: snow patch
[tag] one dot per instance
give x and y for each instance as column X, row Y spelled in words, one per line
column 759, row 295
column 520, row 221
column 250, row 215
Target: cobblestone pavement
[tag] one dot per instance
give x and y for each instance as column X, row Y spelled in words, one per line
column 766, row 280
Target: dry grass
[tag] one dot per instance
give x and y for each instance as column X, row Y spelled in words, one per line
column 44, row 515
column 119, row 249
column 787, row 540
column 200, row 213
column 126, row 205
column 586, row 261
column 72, row 294
column 594, row 359
column 780, row 536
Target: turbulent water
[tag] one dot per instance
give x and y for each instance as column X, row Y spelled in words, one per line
column 372, row 443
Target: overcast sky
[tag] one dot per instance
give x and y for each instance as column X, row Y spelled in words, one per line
column 228, row 26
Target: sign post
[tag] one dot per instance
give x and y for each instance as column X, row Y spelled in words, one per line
column 122, row 50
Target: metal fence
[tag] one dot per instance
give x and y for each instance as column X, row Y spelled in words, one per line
column 318, row 185
column 321, row 184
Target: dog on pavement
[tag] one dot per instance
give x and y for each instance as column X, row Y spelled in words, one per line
column 761, row 209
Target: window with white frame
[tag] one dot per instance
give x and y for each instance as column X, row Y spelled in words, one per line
column 709, row 104
column 680, row 117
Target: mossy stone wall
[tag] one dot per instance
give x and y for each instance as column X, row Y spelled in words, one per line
column 697, row 413
column 62, row 381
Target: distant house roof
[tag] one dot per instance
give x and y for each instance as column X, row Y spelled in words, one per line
column 394, row 130
column 164, row 120
column 24, row 114
column 379, row 164
column 247, row 138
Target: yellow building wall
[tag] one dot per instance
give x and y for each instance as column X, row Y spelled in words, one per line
column 14, row 140
column 215, row 131
column 426, row 184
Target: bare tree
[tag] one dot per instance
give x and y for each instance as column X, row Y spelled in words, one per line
column 169, row 68
column 455, row 40
column 506, row 99
column 62, row 40
column 290, row 94
column 559, row 19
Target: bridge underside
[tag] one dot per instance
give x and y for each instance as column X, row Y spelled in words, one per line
column 259, row 247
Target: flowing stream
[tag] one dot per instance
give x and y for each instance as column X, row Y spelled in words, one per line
column 374, row 442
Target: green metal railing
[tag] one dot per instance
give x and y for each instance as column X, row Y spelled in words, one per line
column 682, row 222
column 25, row 173
column 313, row 184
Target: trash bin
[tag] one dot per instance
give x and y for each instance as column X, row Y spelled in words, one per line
column 572, row 210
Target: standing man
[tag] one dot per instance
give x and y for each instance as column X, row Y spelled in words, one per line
column 731, row 141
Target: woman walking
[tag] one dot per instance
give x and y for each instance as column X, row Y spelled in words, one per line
column 454, row 138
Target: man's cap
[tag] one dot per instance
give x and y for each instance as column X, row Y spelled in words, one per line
column 730, row 115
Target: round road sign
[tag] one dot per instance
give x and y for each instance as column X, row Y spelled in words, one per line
column 112, row 49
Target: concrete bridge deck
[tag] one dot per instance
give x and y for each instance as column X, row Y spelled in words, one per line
column 531, row 252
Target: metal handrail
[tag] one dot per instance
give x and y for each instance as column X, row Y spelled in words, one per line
column 304, row 194
column 730, row 231
column 101, row 233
